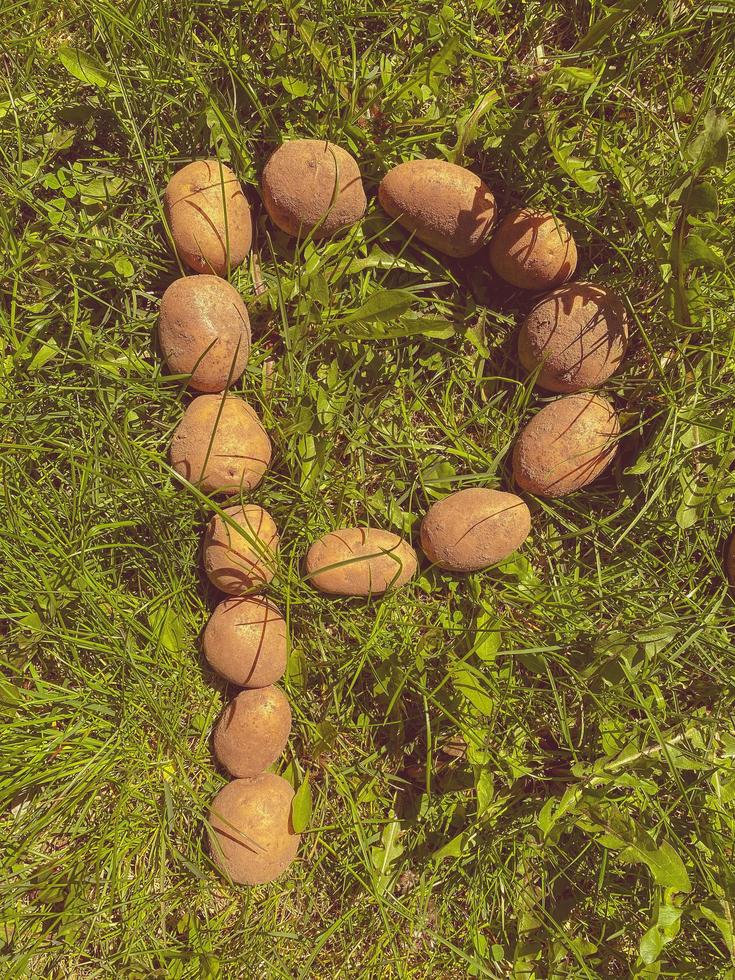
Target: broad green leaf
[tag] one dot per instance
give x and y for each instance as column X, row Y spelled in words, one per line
column 385, row 859
column 709, row 150
column 469, row 683
column 301, row 806
column 296, row 670
column 388, row 304
column 606, row 25
column 453, row 848
column 697, row 252
column 703, row 199
column 82, row 66
column 48, row 350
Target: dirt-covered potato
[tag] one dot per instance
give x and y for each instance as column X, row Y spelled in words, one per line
column 578, row 334
column 360, row 561
column 446, row 206
column 533, row 250
column 566, row 446
column 246, row 641
column 252, row 731
column 474, row 528
column 208, row 217
column 312, row 186
column 220, row 445
column 204, row 331
column 241, row 559
column 250, row 829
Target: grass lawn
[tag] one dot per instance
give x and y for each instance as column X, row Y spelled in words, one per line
column 587, row 830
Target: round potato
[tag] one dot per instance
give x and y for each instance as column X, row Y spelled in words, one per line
column 312, row 186
column 566, row 446
column 360, row 561
column 445, row 206
column 474, row 528
column 246, row 642
column 241, row 559
column 252, row 731
column 250, row 829
column 533, row 250
column 220, row 445
column 208, row 217
column 204, row 331
column 577, row 335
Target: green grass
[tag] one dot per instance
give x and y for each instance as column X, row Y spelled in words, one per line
column 589, row 830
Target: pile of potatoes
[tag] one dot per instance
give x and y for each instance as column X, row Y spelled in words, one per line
column 572, row 340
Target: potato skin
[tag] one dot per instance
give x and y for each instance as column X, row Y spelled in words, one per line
column 251, row 834
column 252, row 731
column 204, row 331
column 533, row 250
column 235, row 459
column 207, row 213
column 298, row 185
column 566, row 445
column 241, row 563
column 446, row 206
column 246, row 642
column 578, row 334
column 474, row 528
column 379, row 560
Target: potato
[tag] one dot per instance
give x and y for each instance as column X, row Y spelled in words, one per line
column 299, row 183
column 252, row 731
column 235, row 459
column 533, row 250
column 250, row 829
column 566, row 446
column 578, row 334
column 375, row 561
column 241, row 561
column 246, row 642
column 204, row 331
column 446, row 206
column 208, row 217
column 474, row 528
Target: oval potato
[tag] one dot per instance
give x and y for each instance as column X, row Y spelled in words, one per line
column 312, row 186
column 204, row 331
column 244, row 560
column 474, row 528
column 250, row 829
column 533, row 250
column 446, row 206
column 577, row 335
column 566, row 445
column 220, row 445
column 246, row 642
column 252, row 731
column 208, row 217
column 360, row 561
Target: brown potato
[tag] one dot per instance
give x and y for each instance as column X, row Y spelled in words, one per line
column 566, row 446
column 250, row 829
column 533, row 250
column 246, row 642
column 252, row 731
column 360, row 561
column 578, row 334
column 208, row 217
column 222, row 448
column 474, row 528
column 241, row 561
column 446, row 206
column 299, row 183
column 204, row 331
